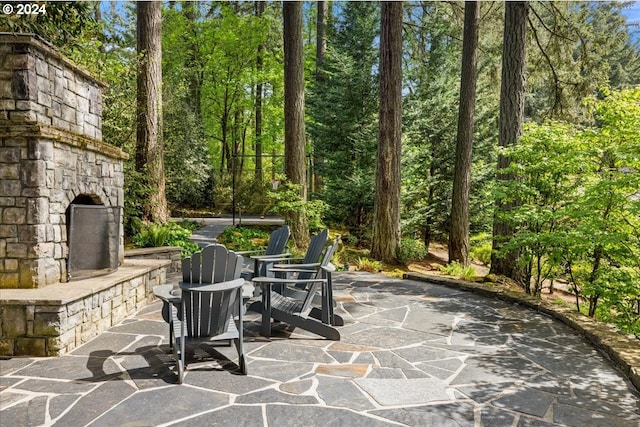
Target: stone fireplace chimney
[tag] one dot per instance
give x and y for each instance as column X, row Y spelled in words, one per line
column 51, row 157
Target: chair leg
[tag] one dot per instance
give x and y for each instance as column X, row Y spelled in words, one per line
column 242, row 363
column 182, row 360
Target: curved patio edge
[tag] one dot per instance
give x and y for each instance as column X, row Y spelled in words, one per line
column 623, row 350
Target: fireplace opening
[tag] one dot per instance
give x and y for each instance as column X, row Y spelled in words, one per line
column 92, row 236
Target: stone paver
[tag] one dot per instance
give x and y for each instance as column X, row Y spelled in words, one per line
column 411, row 353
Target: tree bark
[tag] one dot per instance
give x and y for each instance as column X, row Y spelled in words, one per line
column 459, row 233
column 321, row 38
column 260, row 5
column 386, row 221
column 512, row 92
column 294, row 129
column 149, row 143
column 321, row 50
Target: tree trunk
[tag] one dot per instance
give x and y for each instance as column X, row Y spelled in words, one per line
column 321, row 38
column 512, row 92
column 386, row 220
column 194, row 70
column 260, row 5
column 294, row 130
column 149, row 144
column 459, row 234
column 321, row 50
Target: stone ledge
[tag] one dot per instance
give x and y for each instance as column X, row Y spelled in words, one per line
column 34, row 130
column 54, row 320
column 172, row 253
column 48, row 49
column 621, row 349
column 64, row 293
column 133, row 253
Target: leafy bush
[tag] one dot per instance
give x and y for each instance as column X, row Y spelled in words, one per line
column 151, row 235
column 366, row 264
column 411, row 250
column 286, row 200
column 481, row 248
column 458, row 270
column 136, row 191
column 171, row 234
column 243, row 239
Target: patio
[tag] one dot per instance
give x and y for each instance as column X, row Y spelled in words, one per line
column 411, row 353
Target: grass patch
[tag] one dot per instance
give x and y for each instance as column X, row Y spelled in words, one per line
column 456, row 269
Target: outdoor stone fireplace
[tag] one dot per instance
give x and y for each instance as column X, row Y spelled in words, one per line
column 61, row 199
column 51, row 156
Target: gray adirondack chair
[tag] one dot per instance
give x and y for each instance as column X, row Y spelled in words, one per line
column 262, row 258
column 208, row 313
column 296, row 308
column 214, row 264
column 311, row 258
column 310, row 262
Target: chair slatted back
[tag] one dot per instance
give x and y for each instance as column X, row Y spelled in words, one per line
column 314, row 251
column 208, row 313
column 325, row 266
column 214, row 264
column 278, row 240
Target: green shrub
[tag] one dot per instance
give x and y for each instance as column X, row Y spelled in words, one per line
column 366, row 264
column 243, row 239
column 411, row 250
column 171, row 234
column 458, row 270
column 481, row 248
column 286, row 201
column 151, row 235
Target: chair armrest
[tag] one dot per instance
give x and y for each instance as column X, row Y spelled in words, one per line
column 265, row 280
column 221, row 286
column 291, row 267
column 243, row 253
column 329, row 267
column 277, row 257
column 167, row 293
column 291, row 270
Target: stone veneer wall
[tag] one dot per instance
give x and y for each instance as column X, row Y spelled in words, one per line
column 171, row 253
column 51, row 151
column 52, row 321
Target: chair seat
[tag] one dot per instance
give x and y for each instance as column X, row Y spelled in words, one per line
column 286, row 304
column 231, row 332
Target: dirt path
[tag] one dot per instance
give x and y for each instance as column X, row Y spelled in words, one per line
column 438, row 256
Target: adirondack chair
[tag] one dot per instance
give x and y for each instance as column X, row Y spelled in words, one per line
column 310, row 261
column 208, row 314
column 214, row 264
column 209, row 298
column 261, row 258
column 296, row 308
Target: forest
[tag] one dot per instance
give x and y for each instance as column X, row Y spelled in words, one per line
column 511, row 130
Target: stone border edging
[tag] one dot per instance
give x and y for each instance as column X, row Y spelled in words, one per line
column 622, row 350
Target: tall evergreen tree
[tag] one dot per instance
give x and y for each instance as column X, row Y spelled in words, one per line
column 459, row 234
column 386, row 217
column 149, row 144
column 344, row 107
column 512, row 93
column 294, row 129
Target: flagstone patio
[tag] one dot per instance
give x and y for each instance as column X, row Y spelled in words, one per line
column 411, row 353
